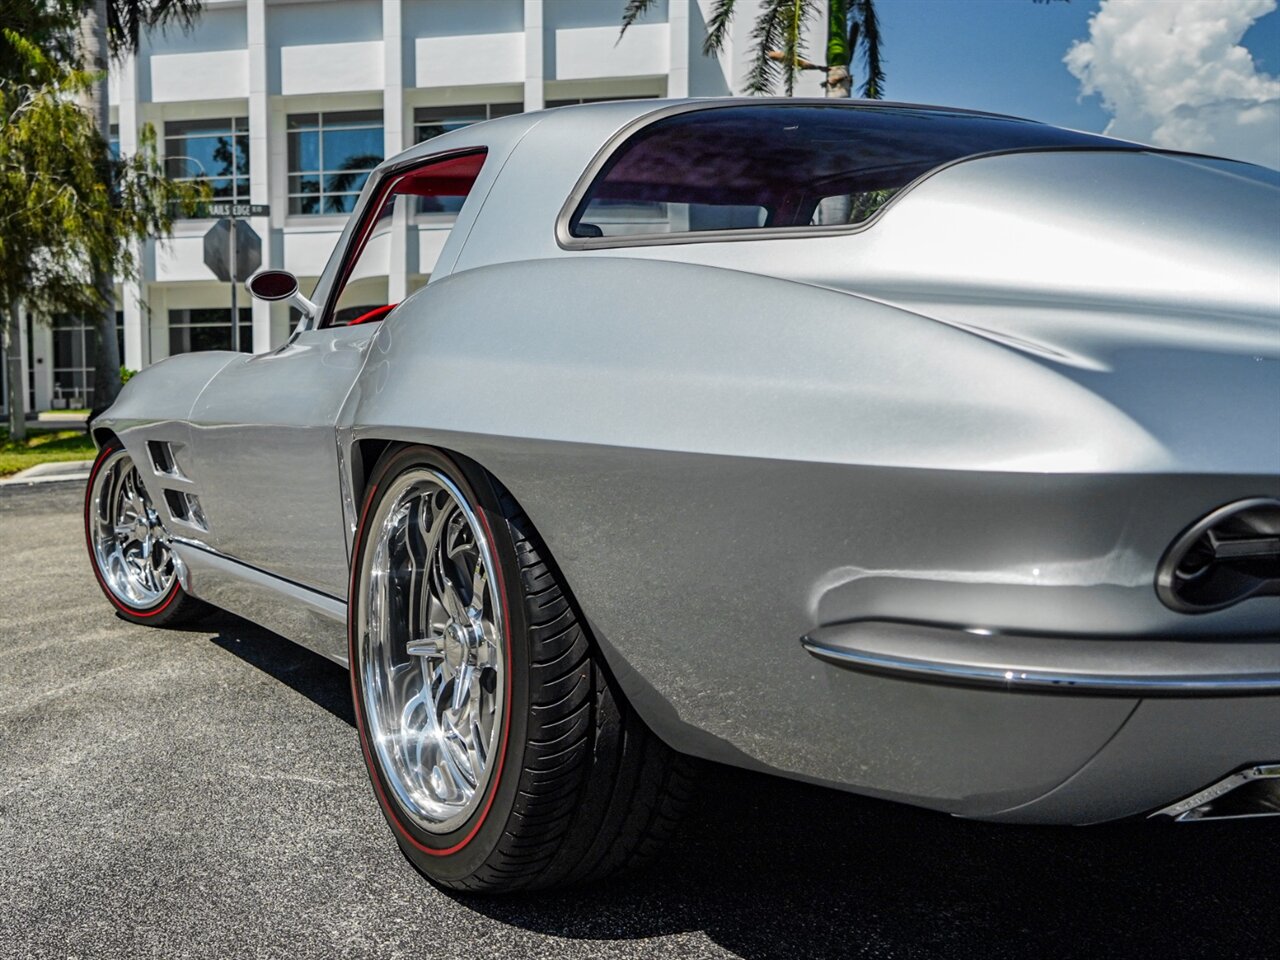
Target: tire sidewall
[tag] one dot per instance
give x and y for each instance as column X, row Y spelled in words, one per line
column 458, row 854
column 163, row 609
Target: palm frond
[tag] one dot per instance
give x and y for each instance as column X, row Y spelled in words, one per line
column 127, row 20
column 634, row 10
column 718, row 27
column 766, row 36
column 792, row 45
column 868, row 40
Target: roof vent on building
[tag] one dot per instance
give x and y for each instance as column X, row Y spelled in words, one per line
column 1230, row 555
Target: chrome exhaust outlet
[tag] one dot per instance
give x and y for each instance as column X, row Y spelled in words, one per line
column 1254, row 792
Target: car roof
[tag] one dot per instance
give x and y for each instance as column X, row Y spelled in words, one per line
column 597, row 121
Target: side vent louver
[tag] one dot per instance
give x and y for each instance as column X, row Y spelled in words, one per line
column 163, row 459
column 185, row 507
column 1230, row 555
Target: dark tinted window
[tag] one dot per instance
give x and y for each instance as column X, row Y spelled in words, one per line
column 747, row 167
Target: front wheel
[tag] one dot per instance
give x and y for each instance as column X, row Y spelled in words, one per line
column 498, row 750
column 128, row 546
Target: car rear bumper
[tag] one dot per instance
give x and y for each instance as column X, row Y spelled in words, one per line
column 1204, row 709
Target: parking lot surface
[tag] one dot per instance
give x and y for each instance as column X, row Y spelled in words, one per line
column 200, row 793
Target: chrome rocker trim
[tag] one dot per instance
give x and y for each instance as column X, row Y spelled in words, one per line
column 309, row 618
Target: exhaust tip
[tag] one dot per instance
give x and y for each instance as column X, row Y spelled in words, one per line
column 1254, row 792
column 1226, row 557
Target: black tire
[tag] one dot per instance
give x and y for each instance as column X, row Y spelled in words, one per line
column 582, row 788
column 175, row 606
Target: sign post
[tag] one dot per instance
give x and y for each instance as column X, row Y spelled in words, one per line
column 233, row 251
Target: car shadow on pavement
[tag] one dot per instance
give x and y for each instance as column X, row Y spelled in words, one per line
column 321, row 681
column 765, row 867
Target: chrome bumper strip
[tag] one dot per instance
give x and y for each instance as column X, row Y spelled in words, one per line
column 1107, row 667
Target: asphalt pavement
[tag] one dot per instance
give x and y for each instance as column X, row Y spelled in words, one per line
column 199, row 793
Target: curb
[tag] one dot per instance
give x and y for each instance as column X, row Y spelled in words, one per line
column 68, row 470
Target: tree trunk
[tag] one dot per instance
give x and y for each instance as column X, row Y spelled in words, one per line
column 839, row 83
column 92, row 43
column 15, row 375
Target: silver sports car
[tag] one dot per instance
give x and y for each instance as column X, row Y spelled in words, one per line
column 929, row 454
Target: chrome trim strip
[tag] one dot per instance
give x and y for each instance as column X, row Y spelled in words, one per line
column 1041, row 680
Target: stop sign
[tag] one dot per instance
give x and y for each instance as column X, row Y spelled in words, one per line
column 217, row 250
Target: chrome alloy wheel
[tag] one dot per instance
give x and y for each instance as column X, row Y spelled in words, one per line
column 129, row 541
column 431, row 652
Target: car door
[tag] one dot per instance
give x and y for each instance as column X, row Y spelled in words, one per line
column 265, row 445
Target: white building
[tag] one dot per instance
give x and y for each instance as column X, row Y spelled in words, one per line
column 289, row 103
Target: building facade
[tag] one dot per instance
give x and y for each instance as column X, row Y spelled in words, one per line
column 288, row 104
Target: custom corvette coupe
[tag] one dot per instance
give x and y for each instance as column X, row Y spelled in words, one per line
column 929, row 454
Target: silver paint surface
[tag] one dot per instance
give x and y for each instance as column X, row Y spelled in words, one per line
column 993, row 409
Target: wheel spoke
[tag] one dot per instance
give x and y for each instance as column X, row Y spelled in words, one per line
column 446, row 591
column 479, row 579
column 461, row 692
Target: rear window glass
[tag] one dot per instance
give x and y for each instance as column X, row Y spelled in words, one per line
column 779, row 166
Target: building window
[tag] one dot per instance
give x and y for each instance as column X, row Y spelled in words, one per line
column 212, row 151
column 74, row 346
column 208, row 328
column 431, row 122
column 330, row 158
column 113, row 140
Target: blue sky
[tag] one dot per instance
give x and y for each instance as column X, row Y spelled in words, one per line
column 1006, row 55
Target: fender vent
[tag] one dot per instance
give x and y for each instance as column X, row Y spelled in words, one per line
column 1230, row 555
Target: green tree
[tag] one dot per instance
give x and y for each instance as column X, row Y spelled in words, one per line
column 778, row 54
column 65, row 219
column 113, row 27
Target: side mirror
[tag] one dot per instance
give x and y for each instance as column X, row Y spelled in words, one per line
column 280, row 285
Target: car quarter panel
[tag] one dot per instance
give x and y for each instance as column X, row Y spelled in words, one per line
column 757, row 457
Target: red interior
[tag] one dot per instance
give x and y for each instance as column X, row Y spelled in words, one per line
column 377, row 313
column 452, row 177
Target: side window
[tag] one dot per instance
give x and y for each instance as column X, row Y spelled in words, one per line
column 363, row 287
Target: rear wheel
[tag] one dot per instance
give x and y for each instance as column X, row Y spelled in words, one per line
column 498, row 750
column 128, row 546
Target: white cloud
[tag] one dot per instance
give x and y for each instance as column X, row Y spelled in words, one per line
column 1173, row 73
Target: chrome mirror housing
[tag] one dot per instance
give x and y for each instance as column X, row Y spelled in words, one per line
column 281, row 285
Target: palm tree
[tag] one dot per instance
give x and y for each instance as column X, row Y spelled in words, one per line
column 778, row 34
column 115, row 27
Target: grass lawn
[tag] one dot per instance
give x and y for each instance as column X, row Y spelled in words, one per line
column 43, row 447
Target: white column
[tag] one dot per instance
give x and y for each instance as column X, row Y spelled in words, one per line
column 259, row 159
column 394, row 142
column 136, row 342
column 678, row 69
column 534, row 98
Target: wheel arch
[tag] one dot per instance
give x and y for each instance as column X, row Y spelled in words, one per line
column 102, row 436
column 368, row 452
